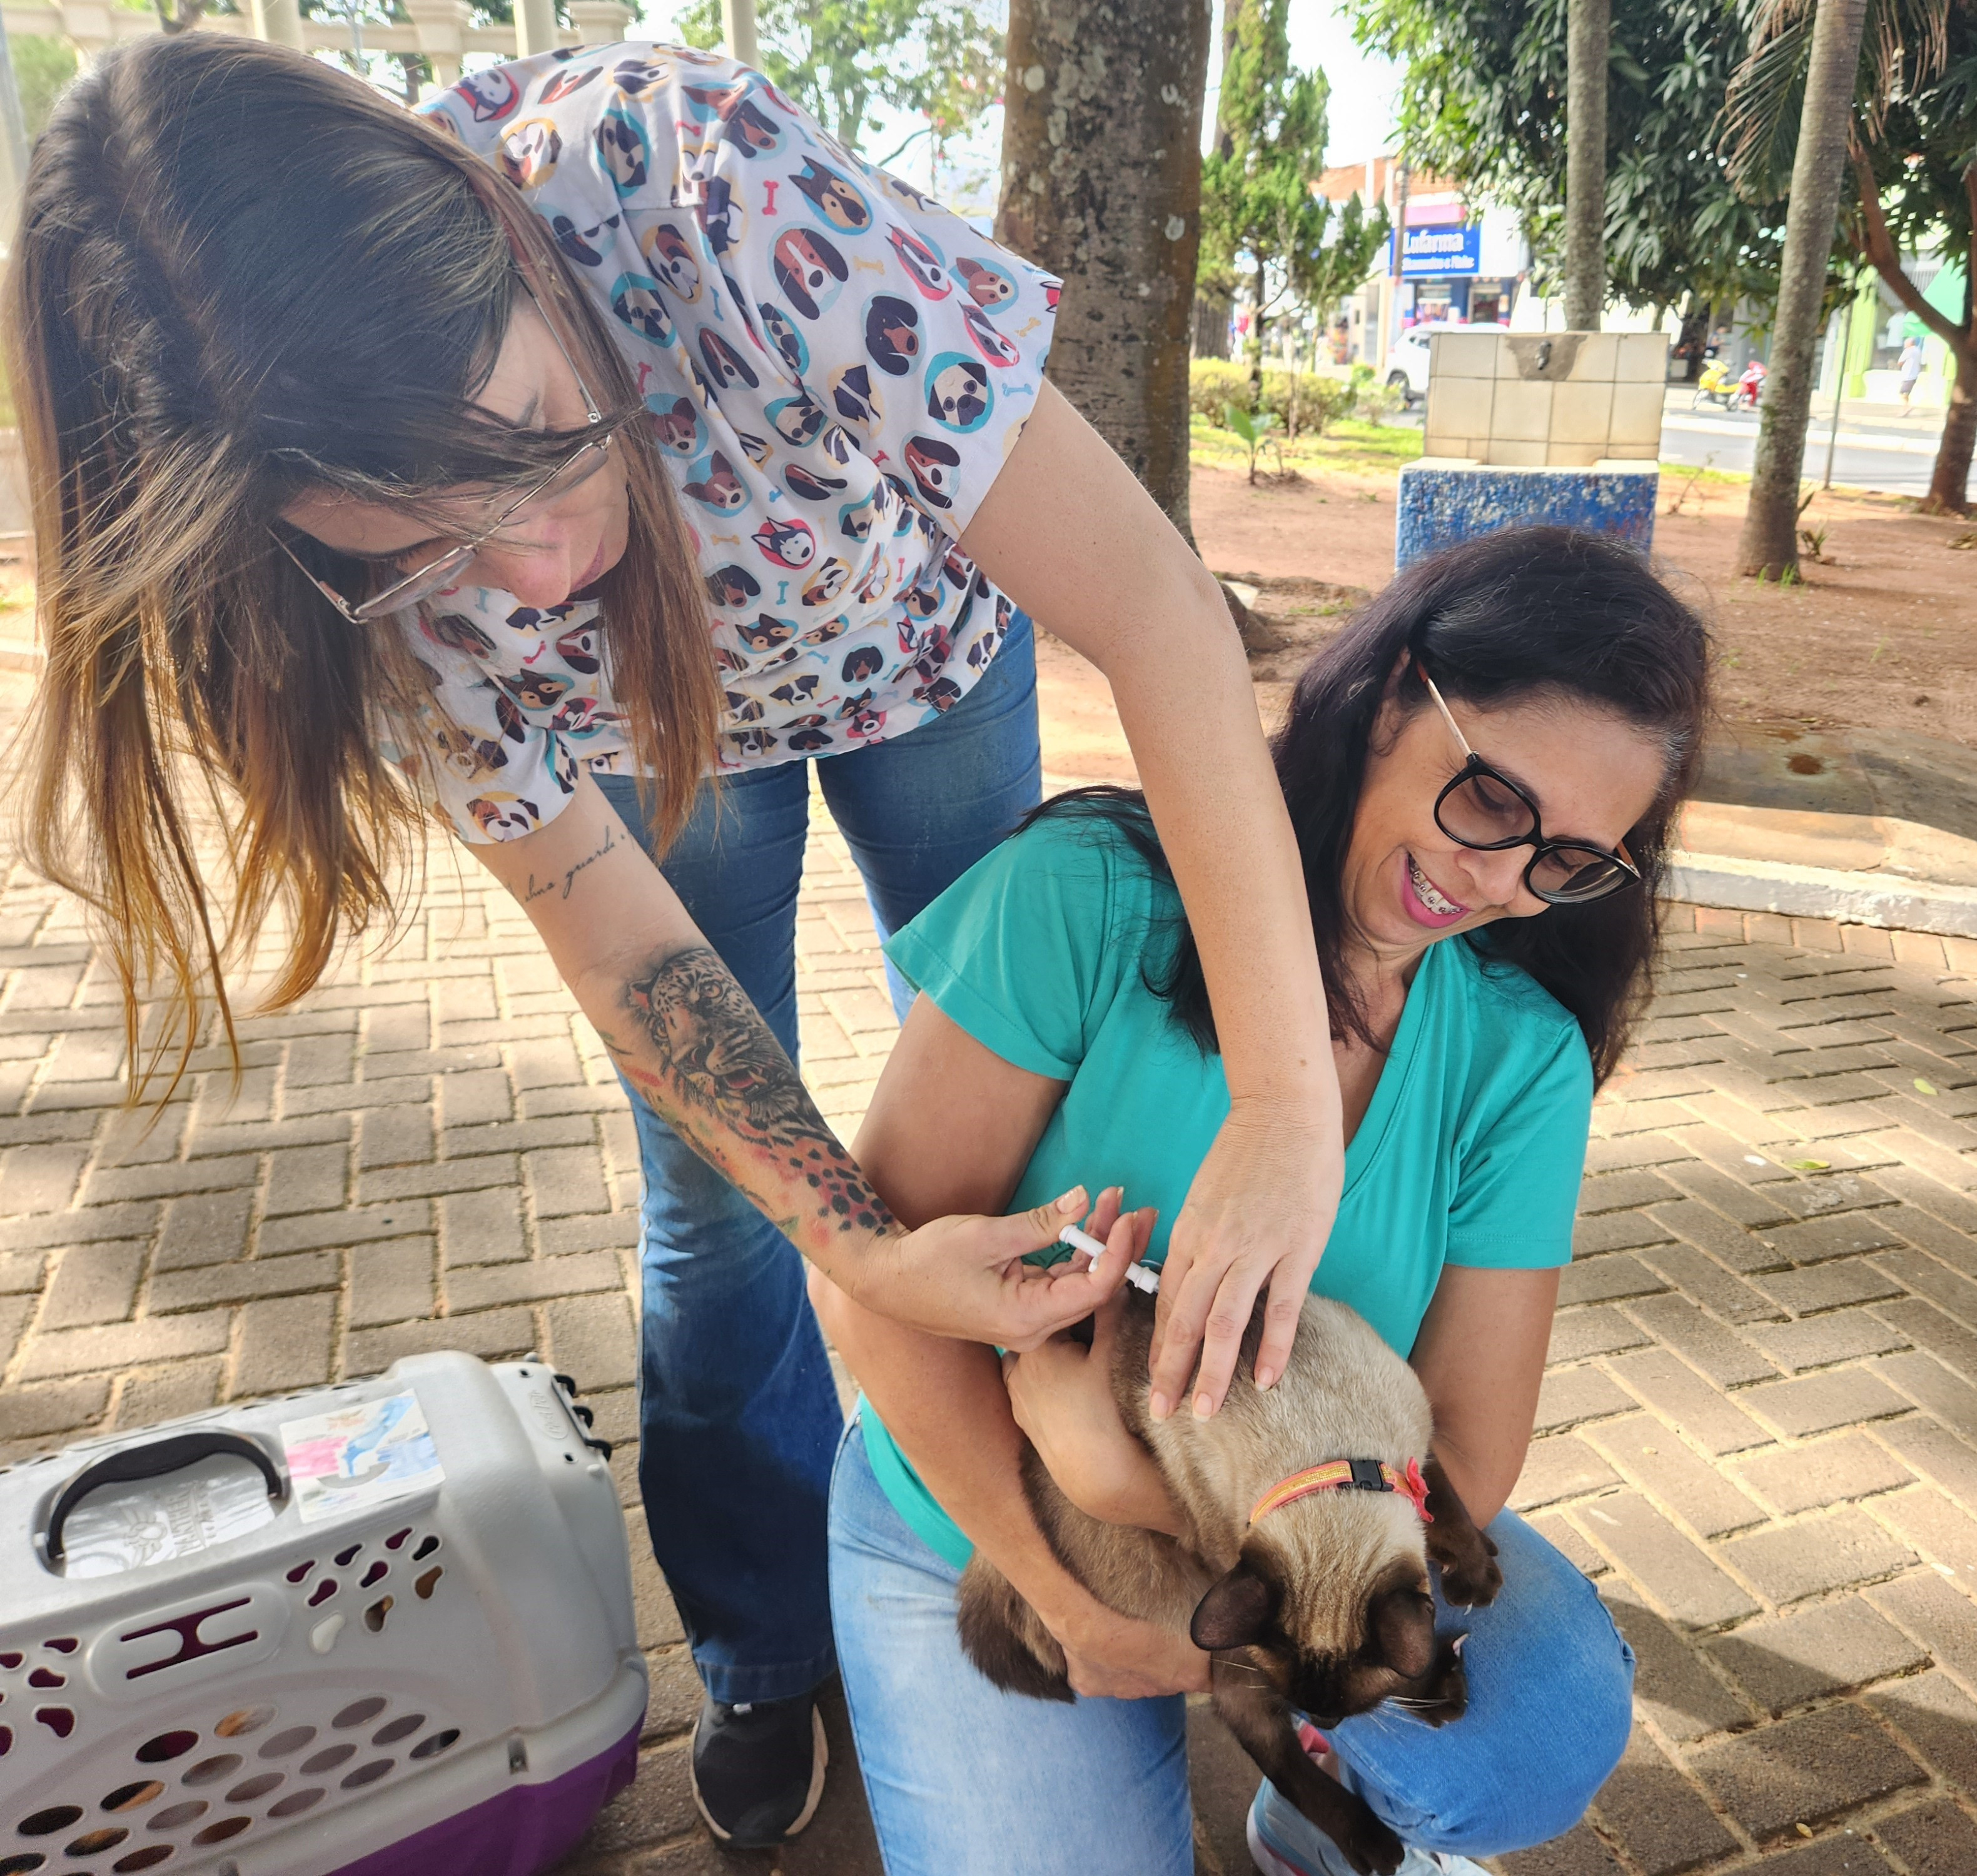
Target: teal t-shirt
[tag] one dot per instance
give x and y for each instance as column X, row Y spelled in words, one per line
column 1470, row 1153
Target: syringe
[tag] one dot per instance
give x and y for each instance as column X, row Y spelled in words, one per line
column 1142, row 1277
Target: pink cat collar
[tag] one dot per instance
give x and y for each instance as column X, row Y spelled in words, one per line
column 1348, row 1475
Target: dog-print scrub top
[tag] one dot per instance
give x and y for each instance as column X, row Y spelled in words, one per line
column 1471, row 1150
column 835, row 368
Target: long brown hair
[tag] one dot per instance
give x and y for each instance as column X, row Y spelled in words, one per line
column 240, row 275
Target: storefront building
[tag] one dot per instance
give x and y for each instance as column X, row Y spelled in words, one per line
column 1460, row 260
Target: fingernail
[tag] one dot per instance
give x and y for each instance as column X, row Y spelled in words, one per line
column 1203, row 1407
column 1073, row 1202
column 1266, row 1377
column 1159, row 1405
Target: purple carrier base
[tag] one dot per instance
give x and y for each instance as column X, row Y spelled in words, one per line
column 523, row 1831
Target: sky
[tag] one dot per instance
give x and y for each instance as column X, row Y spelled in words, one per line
column 1364, row 89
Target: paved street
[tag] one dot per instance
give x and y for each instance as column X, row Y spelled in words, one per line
column 1878, row 449
column 1757, row 1430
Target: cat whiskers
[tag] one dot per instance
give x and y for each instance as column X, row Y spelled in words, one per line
column 1247, row 1667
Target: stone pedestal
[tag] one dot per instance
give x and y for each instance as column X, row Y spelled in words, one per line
column 1445, row 500
column 1524, row 428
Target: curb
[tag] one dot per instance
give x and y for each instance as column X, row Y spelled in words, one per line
column 1887, row 900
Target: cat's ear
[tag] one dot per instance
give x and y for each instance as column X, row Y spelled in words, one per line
column 1400, row 1623
column 1236, row 1612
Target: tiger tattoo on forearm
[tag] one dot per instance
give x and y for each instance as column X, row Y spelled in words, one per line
column 724, row 1075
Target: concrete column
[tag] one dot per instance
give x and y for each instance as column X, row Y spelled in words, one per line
column 535, row 27
column 441, row 26
column 89, row 26
column 601, row 22
column 737, row 30
column 278, row 20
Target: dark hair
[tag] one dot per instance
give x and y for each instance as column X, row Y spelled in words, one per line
column 1515, row 615
column 240, row 276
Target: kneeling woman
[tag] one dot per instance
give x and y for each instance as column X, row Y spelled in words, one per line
column 1481, row 770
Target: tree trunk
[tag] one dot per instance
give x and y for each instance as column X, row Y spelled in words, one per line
column 1259, row 285
column 1769, row 545
column 1589, row 33
column 1694, row 337
column 1232, row 18
column 1949, row 481
column 1211, row 324
column 1101, row 183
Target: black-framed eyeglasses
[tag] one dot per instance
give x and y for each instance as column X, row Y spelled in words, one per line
column 1482, row 808
column 423, row 581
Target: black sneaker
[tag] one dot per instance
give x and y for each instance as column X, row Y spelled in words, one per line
column 758, row 1768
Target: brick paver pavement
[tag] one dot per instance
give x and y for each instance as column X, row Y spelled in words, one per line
column 1759, row 1430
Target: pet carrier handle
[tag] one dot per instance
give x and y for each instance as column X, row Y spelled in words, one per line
column 152, row 1460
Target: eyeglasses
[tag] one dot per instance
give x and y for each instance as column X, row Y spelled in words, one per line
column 1483, row 809
column 577, row 467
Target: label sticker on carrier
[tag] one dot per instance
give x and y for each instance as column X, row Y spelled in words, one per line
column 132, row 1522
column 360, row 1456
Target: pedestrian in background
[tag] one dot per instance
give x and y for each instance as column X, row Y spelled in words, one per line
column 1910, row 368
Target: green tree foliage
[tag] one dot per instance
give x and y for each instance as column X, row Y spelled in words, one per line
column 941, row 60
column 42, row 66
column 1260, row 216
column 1483, row 103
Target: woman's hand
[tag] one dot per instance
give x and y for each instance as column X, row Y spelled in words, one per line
column 1111, row 1656
column 965, row 1277
column 1259, row 1210
column 1061, row 1395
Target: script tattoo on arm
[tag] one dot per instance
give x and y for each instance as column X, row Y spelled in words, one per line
column 722, row 1079
column 536, row 889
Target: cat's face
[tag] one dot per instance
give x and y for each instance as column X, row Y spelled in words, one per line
column 1336, row 1641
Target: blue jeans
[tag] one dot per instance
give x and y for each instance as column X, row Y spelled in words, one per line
column 738, row 1414
column 965, row 1780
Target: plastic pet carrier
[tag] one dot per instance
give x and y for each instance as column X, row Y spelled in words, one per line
column 371, row 1629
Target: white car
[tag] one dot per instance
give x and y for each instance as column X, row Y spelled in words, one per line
column 1406, row 363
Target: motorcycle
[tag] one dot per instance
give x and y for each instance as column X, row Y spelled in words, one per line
column 1716, row 386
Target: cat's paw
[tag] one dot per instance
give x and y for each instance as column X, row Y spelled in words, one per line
column 1372, row 1849
column 1470, row 1575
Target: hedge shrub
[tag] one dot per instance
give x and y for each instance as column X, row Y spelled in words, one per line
column 1215, row 383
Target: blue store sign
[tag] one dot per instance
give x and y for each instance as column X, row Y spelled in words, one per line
column 1438, row 253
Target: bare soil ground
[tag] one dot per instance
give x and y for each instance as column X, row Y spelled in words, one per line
column 1881, row 634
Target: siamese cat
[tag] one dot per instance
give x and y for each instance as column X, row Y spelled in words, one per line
column 1306, row 1580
